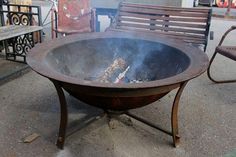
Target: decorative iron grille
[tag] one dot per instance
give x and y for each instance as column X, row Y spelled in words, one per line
column 13, row 14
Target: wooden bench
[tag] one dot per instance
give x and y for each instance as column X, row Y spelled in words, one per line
column 21, row 29
column 188, row 24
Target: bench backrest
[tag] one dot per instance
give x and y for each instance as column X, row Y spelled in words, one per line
column 14, row 14
column 188, row 24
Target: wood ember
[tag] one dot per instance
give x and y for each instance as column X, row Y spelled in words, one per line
column 121, row 75
column 31, row 138
column 136, row 81
column 117, row 66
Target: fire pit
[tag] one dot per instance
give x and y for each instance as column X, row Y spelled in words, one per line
column 117, row 72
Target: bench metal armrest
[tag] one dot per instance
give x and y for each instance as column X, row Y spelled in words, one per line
column 233, row 27
column 225, row 34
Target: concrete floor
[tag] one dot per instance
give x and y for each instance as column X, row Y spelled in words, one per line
column 207, row 119
column 10, row 70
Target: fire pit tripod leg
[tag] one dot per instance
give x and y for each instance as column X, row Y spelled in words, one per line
column 174, row 115
column 64, row 115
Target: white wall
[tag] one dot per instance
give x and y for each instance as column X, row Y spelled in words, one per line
column 187, row 3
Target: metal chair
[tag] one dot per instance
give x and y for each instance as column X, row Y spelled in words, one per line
column 227, row 51
column 74, row 17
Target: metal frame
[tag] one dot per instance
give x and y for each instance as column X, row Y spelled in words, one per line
column 214, row 55
column 16, row 48
column 64, row 116
column 54, row 22
column 110, row 12
column 64, row 33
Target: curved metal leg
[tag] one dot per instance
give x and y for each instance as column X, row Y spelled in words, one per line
column 64, row 116
column 209, row 74
column 174, row 115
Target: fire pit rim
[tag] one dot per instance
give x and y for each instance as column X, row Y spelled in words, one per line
column 35, row 59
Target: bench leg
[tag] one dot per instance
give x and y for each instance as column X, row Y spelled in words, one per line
column 5, row 45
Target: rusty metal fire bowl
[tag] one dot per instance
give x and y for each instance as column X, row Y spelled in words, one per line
column 117, row 71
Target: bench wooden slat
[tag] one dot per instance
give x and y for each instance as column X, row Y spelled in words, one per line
column 168, row 9
column 186, row 38
column 199, row 10
column 150, row 27
column 148, row 21
column 161, row 12
column 7, row 32
column 175, row 35
column 183, row 19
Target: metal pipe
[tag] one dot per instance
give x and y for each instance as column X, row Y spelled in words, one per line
column 148, row 123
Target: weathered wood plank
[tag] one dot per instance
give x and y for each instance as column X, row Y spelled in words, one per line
column 161, row 12
column 200, row 10
column 165, row 22
column 7, row 32
column 175, row 35
column 183, row 19
column 200, row 37
column 151, row 27
column 186, row 38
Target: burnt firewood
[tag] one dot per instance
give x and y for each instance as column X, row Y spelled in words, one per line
column 112, row 72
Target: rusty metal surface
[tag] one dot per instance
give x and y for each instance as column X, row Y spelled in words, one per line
column 45, row 59
column 116, row 96
column 74, row 16
column 36, row 59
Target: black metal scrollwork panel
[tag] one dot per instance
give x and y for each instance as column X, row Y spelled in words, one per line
column 4, row 2
column 20, row 14
column 19, row 19
column 14, row 14
column 23, row 44
column 19, row 47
